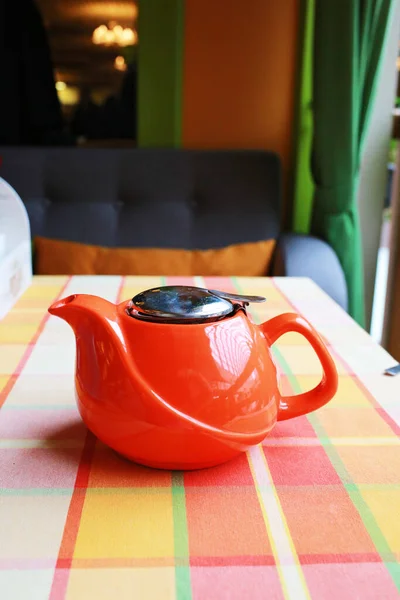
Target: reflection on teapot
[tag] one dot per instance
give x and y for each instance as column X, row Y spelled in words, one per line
column 180, row 377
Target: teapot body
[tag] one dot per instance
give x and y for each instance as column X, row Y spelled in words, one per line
column 183, row 389
column 206, row 392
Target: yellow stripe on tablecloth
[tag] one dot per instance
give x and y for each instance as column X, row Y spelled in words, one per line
column 290, row 572
column 17, row 334
column 269, row 441
column 3, row 381
column 122, row 583
column 139, row 525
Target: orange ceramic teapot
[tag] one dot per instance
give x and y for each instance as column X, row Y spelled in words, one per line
column 180, row 377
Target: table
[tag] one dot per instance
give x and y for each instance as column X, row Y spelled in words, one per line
column 313, row 512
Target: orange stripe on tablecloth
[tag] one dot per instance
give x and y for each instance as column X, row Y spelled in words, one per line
column 71, row 529
column 64, row 561
column 268, row 560
column 75, row 510
column 247, row 560
column 167, row 561
column 29, row 349
column 329, row 558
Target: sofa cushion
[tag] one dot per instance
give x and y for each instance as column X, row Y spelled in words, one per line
column 55, row 257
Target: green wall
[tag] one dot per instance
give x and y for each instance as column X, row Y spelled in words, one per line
column 160, row 65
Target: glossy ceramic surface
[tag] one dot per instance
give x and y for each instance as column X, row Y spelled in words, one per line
column 183, row 396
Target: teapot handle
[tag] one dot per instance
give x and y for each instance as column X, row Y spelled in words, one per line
column 301, row 404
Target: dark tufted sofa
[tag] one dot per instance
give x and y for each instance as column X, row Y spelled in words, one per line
column 165, row 198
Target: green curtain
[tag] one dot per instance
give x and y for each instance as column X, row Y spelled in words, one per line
column 349, row 39
column 160, row 73
column 303, row 184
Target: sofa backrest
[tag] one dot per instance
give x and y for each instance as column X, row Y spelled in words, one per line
column 147, row 197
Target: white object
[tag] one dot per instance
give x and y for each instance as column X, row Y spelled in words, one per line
column 15, row 248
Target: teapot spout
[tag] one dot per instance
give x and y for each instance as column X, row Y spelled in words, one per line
column 60, row 307
column 100, row 343
column 83, row 310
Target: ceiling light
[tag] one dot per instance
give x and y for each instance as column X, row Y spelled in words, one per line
column 120, row 64
column 114, row 35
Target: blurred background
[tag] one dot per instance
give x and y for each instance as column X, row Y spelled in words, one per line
column 214, row 74
column 71, row 68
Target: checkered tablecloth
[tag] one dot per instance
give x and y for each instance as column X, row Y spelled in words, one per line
column 313, row 512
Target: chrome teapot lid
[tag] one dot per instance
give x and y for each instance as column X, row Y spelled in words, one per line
column 186, row 304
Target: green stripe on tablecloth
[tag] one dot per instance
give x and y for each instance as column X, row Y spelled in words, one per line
column 368, row 519
column 181, row 542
